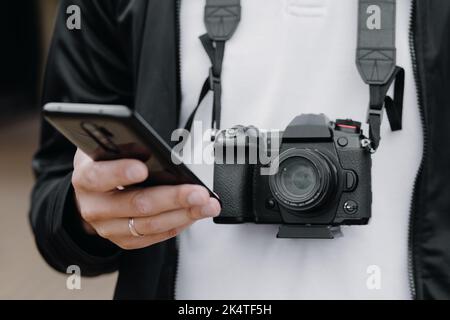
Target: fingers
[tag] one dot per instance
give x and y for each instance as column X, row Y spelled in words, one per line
column 152, row 201
column 144, row 202
column 108, row 175
column 160, row 213
column 158, row 224
column 133, row 243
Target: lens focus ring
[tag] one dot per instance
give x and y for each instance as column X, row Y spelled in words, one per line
column 305, row 179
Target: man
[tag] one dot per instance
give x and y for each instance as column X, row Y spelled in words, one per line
column 287, row 57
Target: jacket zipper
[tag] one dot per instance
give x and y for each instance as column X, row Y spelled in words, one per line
column 412, row 272
column 178, row 39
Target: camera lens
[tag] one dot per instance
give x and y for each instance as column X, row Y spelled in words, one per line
column 299, row 177
column 305, row 179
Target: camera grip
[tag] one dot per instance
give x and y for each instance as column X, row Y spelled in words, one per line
column 233, row 184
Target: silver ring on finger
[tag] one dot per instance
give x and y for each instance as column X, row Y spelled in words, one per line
column 133, row 231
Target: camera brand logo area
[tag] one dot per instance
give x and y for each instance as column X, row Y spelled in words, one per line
column 235, row 146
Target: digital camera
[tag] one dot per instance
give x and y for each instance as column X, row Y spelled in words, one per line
column 315, row 177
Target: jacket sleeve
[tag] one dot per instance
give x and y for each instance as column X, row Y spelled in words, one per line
column 84, row 66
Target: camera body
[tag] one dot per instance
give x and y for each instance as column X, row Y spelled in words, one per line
column 317, row 179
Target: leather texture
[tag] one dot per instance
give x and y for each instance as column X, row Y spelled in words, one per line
column 233, row 182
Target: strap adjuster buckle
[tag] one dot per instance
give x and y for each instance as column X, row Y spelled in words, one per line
column 375, row 112
column 213, row 79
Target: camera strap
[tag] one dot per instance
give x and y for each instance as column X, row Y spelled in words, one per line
column 222, row 18
column 376, row 61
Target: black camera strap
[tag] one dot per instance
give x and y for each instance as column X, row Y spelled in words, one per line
column 375, row 59
column 222, row 18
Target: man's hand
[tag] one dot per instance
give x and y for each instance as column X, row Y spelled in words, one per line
column 159, row 213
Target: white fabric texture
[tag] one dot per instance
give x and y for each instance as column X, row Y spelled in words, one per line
column 290, row 57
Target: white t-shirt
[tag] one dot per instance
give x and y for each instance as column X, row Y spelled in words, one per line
column 290, row 57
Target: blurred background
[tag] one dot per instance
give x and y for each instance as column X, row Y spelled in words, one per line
column 25, row 32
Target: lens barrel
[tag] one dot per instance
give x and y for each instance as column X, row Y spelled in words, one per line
column 305, row 180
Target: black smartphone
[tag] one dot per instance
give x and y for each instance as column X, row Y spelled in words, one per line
column 112, row 132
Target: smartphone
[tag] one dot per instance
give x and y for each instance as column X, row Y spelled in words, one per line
column 112, row 132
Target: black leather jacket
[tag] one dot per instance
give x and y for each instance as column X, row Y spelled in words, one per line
column 127, row 53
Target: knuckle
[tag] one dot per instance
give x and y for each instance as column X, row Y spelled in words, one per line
column 118, row 170
column 89, row 213
column 86, row 217
column 103, row 232
column 90, row 177
column 152, row 226
column 141, row 203
column 86, row 214
column 121, row 170
column 76, row 179
column 181, row 193
column 79, row 158
column 194, row 214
